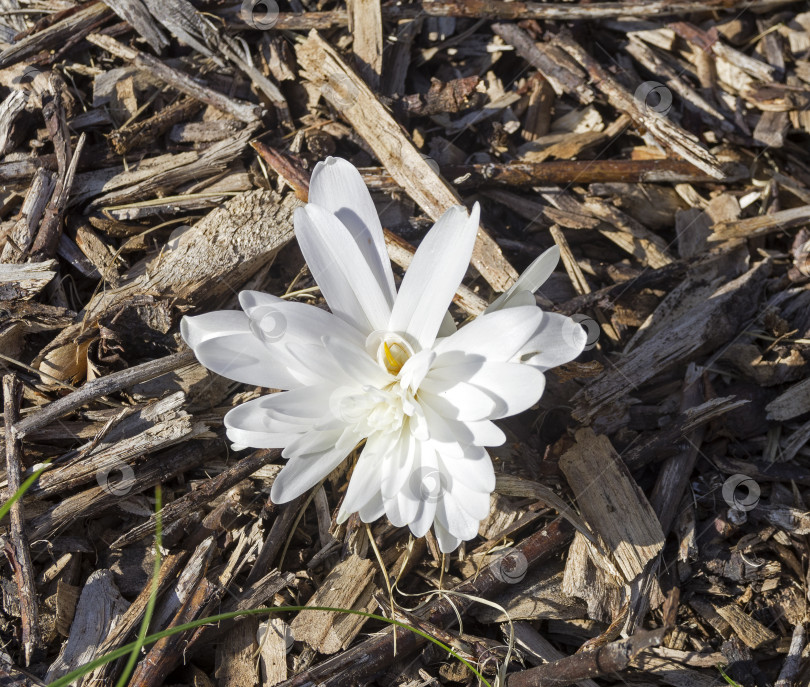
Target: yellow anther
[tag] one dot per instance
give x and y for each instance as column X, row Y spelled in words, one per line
column 394, row 364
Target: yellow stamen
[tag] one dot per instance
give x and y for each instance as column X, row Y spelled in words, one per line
column 395, row 365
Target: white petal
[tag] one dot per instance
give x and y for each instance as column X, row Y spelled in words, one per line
column 462, row 402
column 497, row 336
column 367, row 474
column 512, row 387
column 275, row 420
column 313, row 442
column 397, row 469
column 558, row 340
column 486, row 433
column 426, row 485
column 345, row 278
column 448, row 431
column 455, row 519
column 475, row 503
column 337, row 186
column 473, row 469
column 421, row 522
column 224, row 343
column 401, row 509
column 434, row 275
column 281, row 320
column 356, row 364
column 373, row 510
column 532, row 278
column 447, row 542
column 303, row 472
column 415, row 369
column 213, row 325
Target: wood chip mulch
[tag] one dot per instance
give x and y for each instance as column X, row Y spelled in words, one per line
column 650, row 524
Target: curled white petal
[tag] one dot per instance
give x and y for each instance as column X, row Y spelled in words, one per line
column 531, row 279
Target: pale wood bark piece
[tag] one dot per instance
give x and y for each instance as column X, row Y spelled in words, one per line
column 365, row 24
column 599, row 585
column 235, row 655
column 25, row 281
column 753, row 633
column 101, row 387
column 649, row 248
column 255, row 225
column 245, row 112
column 348, row 585
column 25, row 226
column 791, row 403
column 157, row 469
column 793, row 661
column 212, row 161
column 10, row 109
column 363, row 110
column 117, row 636
column 612, row 503
column 565, row 11
column 761, row 225
column 100, row 608
column 275, row 642
column 157, row 426
column 672, row 79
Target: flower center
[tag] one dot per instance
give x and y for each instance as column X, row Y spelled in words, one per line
column 390, row 350
column 371, row 410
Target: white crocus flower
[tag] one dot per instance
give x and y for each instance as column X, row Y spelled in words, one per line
column 374, row 370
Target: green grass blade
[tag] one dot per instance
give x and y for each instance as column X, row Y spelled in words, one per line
column 124, row 650
column 25, row 486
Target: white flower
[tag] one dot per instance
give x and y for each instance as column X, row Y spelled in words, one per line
column 374, row 370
